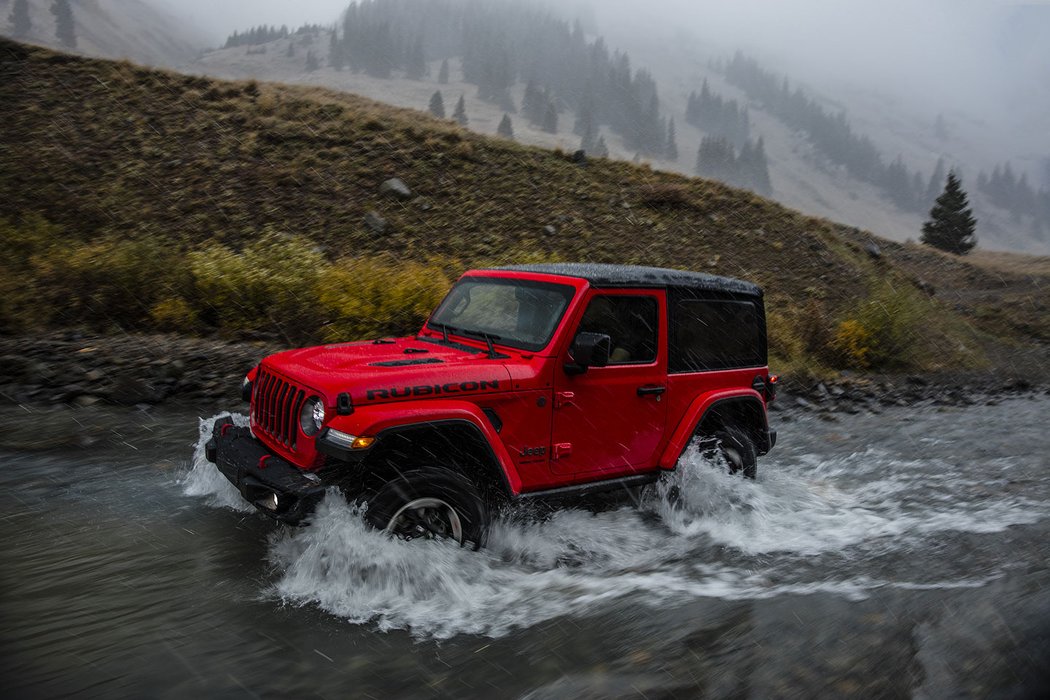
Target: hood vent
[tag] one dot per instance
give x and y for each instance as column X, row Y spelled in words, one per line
column 406, row 363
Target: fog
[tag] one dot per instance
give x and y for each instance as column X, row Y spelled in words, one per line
column 982, row 56
column 983, row 63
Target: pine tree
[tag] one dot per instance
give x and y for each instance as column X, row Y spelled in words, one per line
column 312, row 63
column 336, row 54
column 291, row 48
column 600, row 149
column 951, row 226
column 437, row 105
column 443, row 73
column 532, row 104
column 550, row 118
column 716, row 159
column 671, row 148
column 21, row 24
column 64, row 29
column 417, row 61
column 506, row 129
column 460, row 113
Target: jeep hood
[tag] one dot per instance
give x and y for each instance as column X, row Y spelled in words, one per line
column 391, row 370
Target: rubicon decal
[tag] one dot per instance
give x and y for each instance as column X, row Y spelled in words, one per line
column 432, row 389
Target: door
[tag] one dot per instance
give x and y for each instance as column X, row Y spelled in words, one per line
column 609, row 420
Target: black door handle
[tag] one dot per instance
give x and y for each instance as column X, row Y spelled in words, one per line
column 651, row 390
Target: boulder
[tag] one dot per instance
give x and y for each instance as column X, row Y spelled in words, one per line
column 376, row 223
column 395, row 187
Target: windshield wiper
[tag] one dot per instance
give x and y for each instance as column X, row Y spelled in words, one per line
column 444, row 328
column 488, row 338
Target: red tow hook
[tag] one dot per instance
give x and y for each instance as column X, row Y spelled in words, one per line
column 263, row 460
column 225, row 428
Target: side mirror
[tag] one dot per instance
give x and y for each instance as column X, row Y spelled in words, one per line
column 589, row 350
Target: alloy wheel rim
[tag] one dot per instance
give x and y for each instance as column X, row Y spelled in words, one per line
column 427, row 518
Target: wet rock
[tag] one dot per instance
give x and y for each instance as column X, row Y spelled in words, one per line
column 131, row 391
column 395, row 187
column 579, row 157
column 550, row 230
column 873, row 250
column 925, row 287
column 376, row 223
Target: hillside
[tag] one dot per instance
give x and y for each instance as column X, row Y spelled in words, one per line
column 107, row 152
column 130, row 29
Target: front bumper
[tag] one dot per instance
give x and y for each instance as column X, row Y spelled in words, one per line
column 276, row 487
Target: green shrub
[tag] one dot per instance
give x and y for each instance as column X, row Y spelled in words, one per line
column 889, row 330
column 270, row 285
column 363, row 297
column 107, row 281
column 175, row 315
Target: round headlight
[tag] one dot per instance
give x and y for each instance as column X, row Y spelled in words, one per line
column 311, row 418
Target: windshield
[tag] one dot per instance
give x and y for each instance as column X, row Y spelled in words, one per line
column 518, row 313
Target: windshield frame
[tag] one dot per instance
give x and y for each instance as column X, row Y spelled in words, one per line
column 567, row 290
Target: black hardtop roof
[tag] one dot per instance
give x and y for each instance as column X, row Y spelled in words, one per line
column 604, row 275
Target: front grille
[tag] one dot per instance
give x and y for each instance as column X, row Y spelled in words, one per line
column 275, row 408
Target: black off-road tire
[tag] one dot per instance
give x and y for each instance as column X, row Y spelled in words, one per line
column 736, row 447
column 421, row 502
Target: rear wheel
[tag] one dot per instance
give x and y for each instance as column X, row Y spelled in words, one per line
column 736, row 448
column 430, row 503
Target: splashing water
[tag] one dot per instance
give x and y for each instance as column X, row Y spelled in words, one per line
column 204, row 479
column 699, row 532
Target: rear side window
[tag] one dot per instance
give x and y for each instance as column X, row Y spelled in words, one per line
column 712, row 334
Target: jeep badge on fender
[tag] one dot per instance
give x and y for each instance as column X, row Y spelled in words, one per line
column 527, row 382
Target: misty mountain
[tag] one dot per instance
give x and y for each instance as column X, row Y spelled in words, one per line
column 692, row 103
column 130, row 29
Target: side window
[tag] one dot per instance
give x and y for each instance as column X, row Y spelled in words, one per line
column 715, row 334
column 631, row 322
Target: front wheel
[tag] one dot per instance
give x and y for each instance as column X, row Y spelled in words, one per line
column 735, row 447
column 430, row 503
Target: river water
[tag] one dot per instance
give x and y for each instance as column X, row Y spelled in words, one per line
column 894, row 555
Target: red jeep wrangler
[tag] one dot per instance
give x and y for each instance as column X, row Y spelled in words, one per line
column 534, row 381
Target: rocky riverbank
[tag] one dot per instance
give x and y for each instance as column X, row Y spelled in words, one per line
column 80, row 369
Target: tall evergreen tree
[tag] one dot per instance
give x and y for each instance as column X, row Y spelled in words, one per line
column 533, row 105
column 671, row 149
column 437, row 105
column 291, row 49
column 600, row 149
column 550, row 118
column 21, row 24
column 312, row 63
column 417, row 61
column 460, row 113
column 716, row 159
column 443, row 73
column 336, row 53
column 506, row 129
column 951, row 226
column 64, row 28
